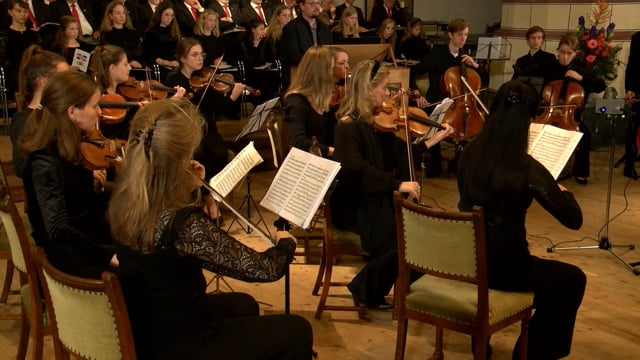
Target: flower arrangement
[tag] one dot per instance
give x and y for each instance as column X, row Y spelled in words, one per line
column 597, row 50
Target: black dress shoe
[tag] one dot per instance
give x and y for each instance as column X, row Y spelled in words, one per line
column 630, row 172
column 581, row 180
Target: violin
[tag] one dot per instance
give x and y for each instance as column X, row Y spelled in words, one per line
column 100, row 153
column 221, row 83
column 137, row 90
column 388, row 118
column 464, row 114
column 562, row 98
column 114, row 108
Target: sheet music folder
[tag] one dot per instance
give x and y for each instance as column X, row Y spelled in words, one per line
column 257, row 118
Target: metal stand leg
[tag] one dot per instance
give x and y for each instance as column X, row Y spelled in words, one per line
column 248, row 199
column 604, row 243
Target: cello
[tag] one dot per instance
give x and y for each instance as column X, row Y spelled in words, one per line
column 464, row 115
column 562, row 100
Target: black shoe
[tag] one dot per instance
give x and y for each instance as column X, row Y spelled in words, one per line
column 630, row 172
column 373, row 305
column 581, row 180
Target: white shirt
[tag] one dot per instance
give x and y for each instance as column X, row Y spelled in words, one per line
column 85, row 26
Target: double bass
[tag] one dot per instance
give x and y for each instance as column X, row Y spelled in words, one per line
column 466, row 114
column 562, row 99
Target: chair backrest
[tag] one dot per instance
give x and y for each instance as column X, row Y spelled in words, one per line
column 441, row 243
column 89, row 317
column 14, row 229
column 279, row 138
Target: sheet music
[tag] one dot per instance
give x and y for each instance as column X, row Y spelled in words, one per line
column 236, row 170
column 299, row 186
column 81, row 60
column 552, row 146
column 438, row 114
column 257, row 118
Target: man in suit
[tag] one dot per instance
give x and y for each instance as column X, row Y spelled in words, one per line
column 346, row 4
column 229, row 12
column 84, row 9
column 255, row 11
column 304, row 32
column 388, row 9
column 186, row 13
column 632, row 87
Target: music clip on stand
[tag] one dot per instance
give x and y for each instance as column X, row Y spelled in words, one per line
column 612, row 110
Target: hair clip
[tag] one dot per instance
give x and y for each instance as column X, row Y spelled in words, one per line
column 513, row 98
column 144, row 137
column 39, row 107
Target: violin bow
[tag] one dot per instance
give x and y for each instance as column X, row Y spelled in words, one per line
column 215, row 70
column 473, row 93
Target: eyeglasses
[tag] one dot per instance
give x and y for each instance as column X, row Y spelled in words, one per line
column 197, row 55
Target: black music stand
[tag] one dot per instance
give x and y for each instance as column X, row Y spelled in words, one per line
column 612, row 110
column 257, row 119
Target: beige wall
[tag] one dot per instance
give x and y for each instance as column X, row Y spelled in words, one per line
column 557, row 18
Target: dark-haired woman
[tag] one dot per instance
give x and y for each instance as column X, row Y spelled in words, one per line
column 161, row 38
column 496, row 173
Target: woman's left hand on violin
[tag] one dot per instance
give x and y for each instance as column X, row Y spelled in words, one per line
column 574, row 75
column 467, row 59
column 100, row 176
column 439, row 136
column 180, row 92
column 237, row 90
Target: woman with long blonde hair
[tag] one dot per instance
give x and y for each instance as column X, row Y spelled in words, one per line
column 165, row 239
column 348, row 26
column 281, row 17
column 116, row 29
column 374, row 165
column 306, row 103
column 207, row 31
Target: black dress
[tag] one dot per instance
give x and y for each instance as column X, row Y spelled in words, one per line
column 17, row 42
column 172, row 316
column 212, row 45
column 304, row 122
column 68, row 217
column 558, row 287
column 362, row 202
column 127, row 39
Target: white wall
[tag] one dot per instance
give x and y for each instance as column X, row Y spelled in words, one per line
column 478, row 13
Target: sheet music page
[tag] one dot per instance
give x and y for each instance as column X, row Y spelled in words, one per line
column 552, row 146
column 438, row 114
column 236, row 170
column 299, row 186
column 81, row 60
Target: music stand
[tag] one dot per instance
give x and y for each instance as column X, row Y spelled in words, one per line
column 257, row 119
column 612, row 109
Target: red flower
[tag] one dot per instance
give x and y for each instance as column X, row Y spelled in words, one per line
column 592, row 44
column 590, row 59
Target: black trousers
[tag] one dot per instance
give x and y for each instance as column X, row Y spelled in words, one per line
column 581, row 160
column 244, row 335
column 558, row 289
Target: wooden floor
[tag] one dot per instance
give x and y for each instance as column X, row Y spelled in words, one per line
column 608, row 324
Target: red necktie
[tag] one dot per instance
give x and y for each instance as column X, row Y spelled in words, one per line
column 31, row 17
column 389, row 13
column 194, row 13
column 226, row 10
column 74, row 13
column 260, row 14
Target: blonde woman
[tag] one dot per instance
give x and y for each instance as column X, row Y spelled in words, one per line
column 281, row 17
column 387, row 33
column 165, row 239
column 347, row 27
column 116, row 29
column 207, row 31
column 306, row 103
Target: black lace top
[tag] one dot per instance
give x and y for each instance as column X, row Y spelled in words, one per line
column 165, row 289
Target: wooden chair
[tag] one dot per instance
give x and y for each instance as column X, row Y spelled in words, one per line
column 89, row 317
column 34, row 322
column 336, row 242
column 450, row 249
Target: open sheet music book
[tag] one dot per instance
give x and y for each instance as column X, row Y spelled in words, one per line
column 437, row 115
column 552, row 146
column 299, row 186
column 236, row 170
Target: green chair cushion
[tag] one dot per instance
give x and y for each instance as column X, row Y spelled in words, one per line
column 457, row 300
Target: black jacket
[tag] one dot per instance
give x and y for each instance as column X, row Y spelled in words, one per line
column 61, row 8
column 297, row 38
